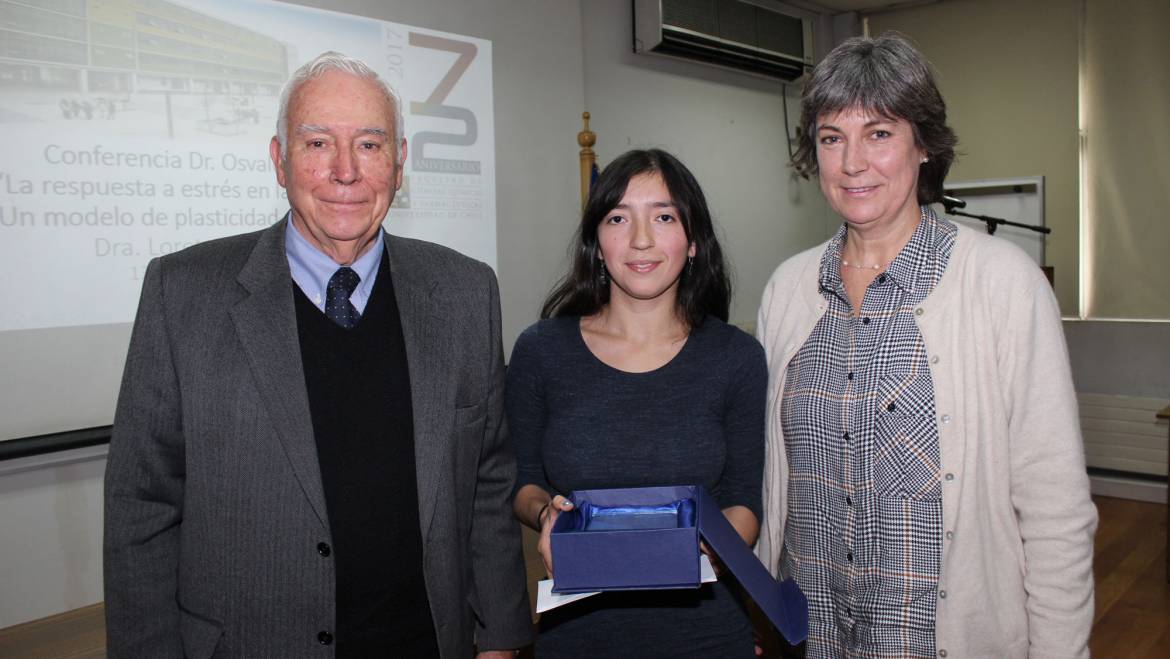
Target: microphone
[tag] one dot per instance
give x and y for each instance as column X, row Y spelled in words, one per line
column 952, row 202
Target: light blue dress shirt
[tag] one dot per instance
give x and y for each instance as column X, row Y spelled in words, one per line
column 311, row 268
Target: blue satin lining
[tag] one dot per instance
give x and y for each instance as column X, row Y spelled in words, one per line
column 674, row 515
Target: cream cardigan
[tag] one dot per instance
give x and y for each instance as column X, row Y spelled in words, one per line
column 1016, row 577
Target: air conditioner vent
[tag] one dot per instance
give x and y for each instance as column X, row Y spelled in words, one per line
column 729, row 33
column 697, row 16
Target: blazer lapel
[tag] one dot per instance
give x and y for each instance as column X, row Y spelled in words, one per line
column 266, row 324
column 428, row 356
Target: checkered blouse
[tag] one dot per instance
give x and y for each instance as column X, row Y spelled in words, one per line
column 864, row 530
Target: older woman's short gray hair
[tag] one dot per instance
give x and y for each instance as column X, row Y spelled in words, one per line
column 319, row 66
column 889, row 77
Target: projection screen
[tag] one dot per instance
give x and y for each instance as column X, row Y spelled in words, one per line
column 134, row 128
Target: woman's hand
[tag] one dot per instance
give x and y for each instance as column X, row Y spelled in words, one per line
column 537, row 510
column 716, row 564
column 743, row 520
column 545, row 519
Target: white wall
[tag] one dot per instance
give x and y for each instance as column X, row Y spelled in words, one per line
column 50, row 534
column 1120, row 358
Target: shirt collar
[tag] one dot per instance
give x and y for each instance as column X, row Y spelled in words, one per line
column 311, row 268
column 905, row 270
column 829, row 274
column 911, row 261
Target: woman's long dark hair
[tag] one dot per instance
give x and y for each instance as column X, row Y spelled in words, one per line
column 704, row 288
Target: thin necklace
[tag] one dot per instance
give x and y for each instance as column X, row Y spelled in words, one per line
column 855, row 266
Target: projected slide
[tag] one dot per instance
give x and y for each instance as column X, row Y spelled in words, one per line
column 134, row 128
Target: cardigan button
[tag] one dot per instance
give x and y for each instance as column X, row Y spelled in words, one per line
column 946, row 418
column 950, row 477
column 324, row 638
column 934, row 359
column 950, row 535
column 942, row 653
column 918, row 311
column 324, row 549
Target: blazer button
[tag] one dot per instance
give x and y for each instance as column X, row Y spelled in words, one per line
column 324, row 550
column 324, row 638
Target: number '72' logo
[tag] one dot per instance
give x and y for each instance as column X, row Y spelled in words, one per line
column 434, row 107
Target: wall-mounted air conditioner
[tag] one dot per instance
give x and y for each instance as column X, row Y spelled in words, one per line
column 738, row 34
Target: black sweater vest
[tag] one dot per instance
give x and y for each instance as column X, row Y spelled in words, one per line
column 359, row 397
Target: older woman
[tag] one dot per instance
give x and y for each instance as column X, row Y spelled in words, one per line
column 925, row 480
column 633, row 379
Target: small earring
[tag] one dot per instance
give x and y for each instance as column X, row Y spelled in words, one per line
column 925, row 159
column 603, row 278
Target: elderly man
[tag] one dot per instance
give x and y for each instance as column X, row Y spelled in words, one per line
column 308, row 458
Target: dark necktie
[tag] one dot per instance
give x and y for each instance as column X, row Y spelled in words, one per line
column 338, row 308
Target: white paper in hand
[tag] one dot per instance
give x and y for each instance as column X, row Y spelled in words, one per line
column 546, row 599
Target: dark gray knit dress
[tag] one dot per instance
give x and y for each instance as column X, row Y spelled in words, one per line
column 577, row 423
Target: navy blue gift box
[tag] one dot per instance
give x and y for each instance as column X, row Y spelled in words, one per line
column 648, row 538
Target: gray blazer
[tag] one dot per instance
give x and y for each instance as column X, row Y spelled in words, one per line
column 214, row 503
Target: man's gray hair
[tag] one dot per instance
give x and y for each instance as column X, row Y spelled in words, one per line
column 319, row 66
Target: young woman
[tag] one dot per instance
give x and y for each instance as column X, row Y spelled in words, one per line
column 633, row 378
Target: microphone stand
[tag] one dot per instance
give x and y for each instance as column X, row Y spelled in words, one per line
column 993, row 222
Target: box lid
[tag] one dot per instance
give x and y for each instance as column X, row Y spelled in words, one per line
column 783, row 602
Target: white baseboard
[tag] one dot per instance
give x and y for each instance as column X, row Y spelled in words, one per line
column 1127, row 488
